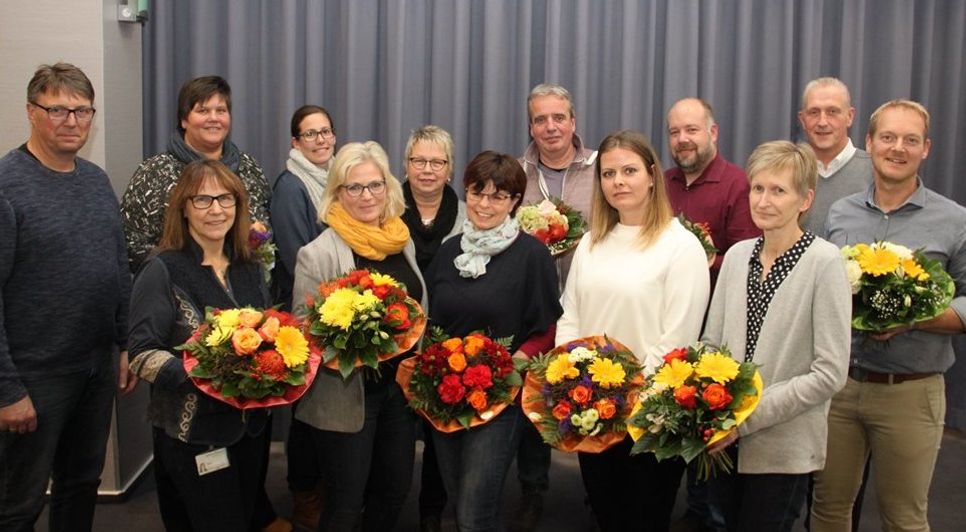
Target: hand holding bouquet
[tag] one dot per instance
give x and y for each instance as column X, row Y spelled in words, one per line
column 250, row 358
column 703, row 231
column 579, row 394
column 263, row 248
column 363, row 318
column 893, row 286
column 697, row 396
column 558, row 225
column 458, row 383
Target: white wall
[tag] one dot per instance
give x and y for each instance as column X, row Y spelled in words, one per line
column 87, row 34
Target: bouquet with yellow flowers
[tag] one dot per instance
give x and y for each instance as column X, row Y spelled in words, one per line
column 893, row 285
column 363, row 318
column 558, row 225
column 250, row 358
column 580, row 393
column 696, row 397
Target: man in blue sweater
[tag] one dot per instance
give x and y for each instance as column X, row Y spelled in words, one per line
column 63, row 309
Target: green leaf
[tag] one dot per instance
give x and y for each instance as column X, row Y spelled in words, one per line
column 346, row 365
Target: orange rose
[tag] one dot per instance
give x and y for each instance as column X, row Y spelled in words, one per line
column 248, row 317
column 245, row 340
column 453, row 345
column 562, row 410
column 477, row 399
column 457, row 362
column 686, row 396
column 269, row 329
column 473, row 345
column 606, row 408
column 716, row 396
column 580, row 394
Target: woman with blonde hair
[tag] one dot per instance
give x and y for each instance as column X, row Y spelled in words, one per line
column 640, row 277
column 362, row 428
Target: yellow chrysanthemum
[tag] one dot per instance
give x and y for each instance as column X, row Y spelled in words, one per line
column 674, row 374
column 365, row 301
column 606, row 372
column 339, row 308
column 228, row 318
column 561, row 368
column 717, row 367
column 292, row 345
column 380, row 279
column 878, row 261
column 218, row 336
column 914, row 270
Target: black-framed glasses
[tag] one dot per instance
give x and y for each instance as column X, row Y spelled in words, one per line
column 436, row 164
column 376, row 188
column 494, row 197
column 312, row 134
column 203, row 201
column 59, row 113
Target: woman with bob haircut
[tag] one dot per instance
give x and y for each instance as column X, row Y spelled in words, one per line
column 641, row 278
column 783, row 302
column 497, row 279
column 202, row 261
column 362, row 428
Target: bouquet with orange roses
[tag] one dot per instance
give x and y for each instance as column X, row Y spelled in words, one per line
column 703, row 232
column 558, row 225
column 363, row 318
column 250, row 358
column 263, row 248
column 580, row 393
column 697, row 396
column 458, row 383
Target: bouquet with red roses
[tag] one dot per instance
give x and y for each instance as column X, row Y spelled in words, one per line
column 458, row 383
column 697, row 396
column 558, row 225
column 579, row 394
column 250, row 358
column 363, row 318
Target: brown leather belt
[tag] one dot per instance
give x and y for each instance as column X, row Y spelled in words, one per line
column 863, row 375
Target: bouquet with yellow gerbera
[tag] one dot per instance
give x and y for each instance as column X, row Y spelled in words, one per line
column 696, row 397
column 893, row 285
column 558, row 225
column 580, row 393
column 458, row 383
column 363, row 318
column 250, row 358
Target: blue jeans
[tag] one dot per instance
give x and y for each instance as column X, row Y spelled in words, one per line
column 366, row 475
column 73, row 420
column 474, row 464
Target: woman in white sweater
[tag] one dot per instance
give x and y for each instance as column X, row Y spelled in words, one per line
column 642, row 279
column 782, row 301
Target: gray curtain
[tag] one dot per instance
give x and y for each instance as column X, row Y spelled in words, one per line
column 384, row 67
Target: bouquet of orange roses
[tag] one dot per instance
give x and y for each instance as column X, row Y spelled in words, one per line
column 579, row 394
column 363, row 318
column 703, row 232
column 458, row 383
column 250, row 358
column 558, row 225
column 263, row 248
column 697, row 396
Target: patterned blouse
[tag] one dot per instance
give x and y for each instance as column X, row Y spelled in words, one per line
column 761, row 292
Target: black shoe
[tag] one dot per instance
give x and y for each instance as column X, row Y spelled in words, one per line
column 430, row 523
column 528, row 515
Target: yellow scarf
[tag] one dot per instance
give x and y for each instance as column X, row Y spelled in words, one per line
column 367, row 240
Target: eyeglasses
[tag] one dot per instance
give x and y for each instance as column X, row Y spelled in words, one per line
column 60, row 114
column 494, row 197
column 310, row 135
column 420, row 163
column 203, row 201
column 376, row 188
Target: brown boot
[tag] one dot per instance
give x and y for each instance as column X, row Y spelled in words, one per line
column 280, row 524
column 306, row 508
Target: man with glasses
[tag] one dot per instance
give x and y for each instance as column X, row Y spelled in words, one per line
column 63, row 310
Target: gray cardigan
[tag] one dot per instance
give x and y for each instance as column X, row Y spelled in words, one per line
column 803, row 351
column 333, row 403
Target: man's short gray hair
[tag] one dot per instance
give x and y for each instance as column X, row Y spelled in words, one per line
column 827, row 81
column 550, row 89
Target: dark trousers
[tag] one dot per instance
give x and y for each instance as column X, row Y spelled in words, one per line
column 758, row 502
column 225, row 500
column 533, row 461
column 366, row 475
column 303, row 461
column 630, row 492
column 73, row 419
column 432, row 492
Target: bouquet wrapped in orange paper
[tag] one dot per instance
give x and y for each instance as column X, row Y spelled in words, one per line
column 363, row 318
column 696, row 397
column 580, row 393
column 458, row 383
column 250, row 358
